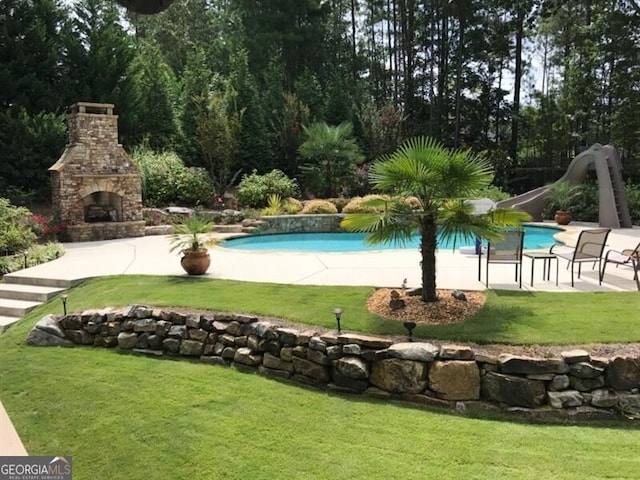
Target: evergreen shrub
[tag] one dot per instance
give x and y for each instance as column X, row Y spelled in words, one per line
column 319, row 207
column 254, row 190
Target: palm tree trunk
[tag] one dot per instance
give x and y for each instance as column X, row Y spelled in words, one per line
column 428, row 239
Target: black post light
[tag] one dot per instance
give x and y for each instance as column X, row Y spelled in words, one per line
column 64, row 303
column 338, row 313
column 410, row 326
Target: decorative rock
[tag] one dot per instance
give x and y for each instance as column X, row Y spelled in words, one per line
column 526, row 365
column 239, row 317
column 198, row 334
column 349, row 383
column 228, row 353
column 49, row 324
column 513, row 391
column 71, row 322
column 212, row 338
column 586, row 384
column 566, row 399
column 93, row 328
column 178, row 331
column 396, row 303
column 228, row 340
column 253, row 343
column 545, row 377
column 300, row 352
column 287, row 336
column 143, row 341
column 456, row 352
column 352, row 367
column 310, row 369
column 271, row 346
column 575, row 356
column 246, row 357
column 351, row 349
column 624, row 373
column 127, row 341
column 269, row 372
column 397, row 375
column 559, row 382
column 585, row 370
column 365, row 341
column 219, row 327
column 488, row 359
column 241, row 341
column 144, row 325
column 112, row 328
column 266, row 330
column 334, row 352
column 275, row 363
column 155, row 342
column 317, row 356
column 171, row 345
column 629, row 403
column 218, row 348
column 286, row 354
column 191, row 348
column 421, row 352
column 193, row 321
column 459, row 295
column 162, row 328
column 604, row 399
column 455, row 380
column 234, row 328
column 178, row 318
column 316, row 343
column 44, row 338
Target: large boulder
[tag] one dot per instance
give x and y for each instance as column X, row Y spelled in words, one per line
column 399, row 376
column 418, row 351
column 455, row 380
column 624, row 373
column 514, row 391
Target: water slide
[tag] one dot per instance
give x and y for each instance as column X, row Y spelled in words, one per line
column 612, row 199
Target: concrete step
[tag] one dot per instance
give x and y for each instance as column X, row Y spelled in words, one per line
column 34, row 293
column 16, row 308
column 7, row 321
column 41, row 282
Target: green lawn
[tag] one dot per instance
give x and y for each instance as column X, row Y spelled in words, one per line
column 507, row 317
column 129, row 417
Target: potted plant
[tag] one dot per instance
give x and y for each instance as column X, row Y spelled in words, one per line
column 561, row 195
column 191, row 238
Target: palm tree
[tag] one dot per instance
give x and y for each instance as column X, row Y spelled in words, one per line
column 332, row 155
column 438, row 181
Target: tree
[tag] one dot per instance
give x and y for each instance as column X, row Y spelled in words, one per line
column 332, row 155
column 151, row 96
column 441, row 180
column 218, row 129
column 99, row 51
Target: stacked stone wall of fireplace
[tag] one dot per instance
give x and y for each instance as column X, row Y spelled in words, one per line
column 96, row 188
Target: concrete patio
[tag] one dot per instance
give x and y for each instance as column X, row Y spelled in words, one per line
column 385, row 268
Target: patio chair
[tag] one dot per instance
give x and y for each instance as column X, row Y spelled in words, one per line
column 589, row 248
column 505, row 251
column 629, row 258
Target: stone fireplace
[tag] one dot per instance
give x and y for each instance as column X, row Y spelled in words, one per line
column 96, row 188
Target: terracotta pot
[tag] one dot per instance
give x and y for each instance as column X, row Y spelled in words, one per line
column 195, row 263
column 562, row 217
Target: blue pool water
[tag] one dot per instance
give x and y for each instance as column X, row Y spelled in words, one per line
column 535, row 237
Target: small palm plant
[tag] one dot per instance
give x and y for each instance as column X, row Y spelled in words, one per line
column 438, row 181
column 193, row 235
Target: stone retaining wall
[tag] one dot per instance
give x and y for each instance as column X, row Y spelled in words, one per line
column 299, row 224
column 574, row 387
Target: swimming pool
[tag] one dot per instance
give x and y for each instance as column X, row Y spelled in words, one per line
column 535, row 237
